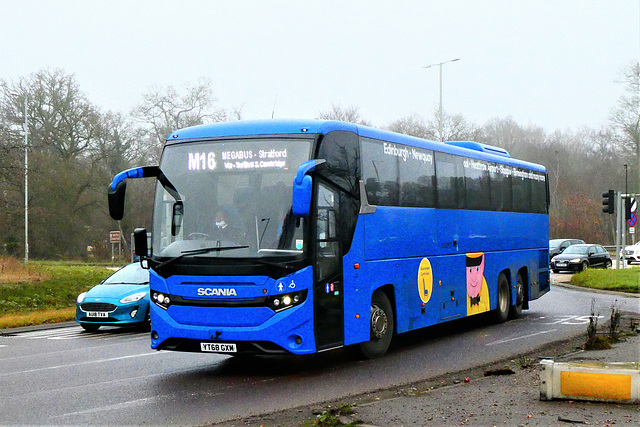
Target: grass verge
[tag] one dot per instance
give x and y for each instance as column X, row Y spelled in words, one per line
column 627, row 280
column 43, row 292
column 40, row 317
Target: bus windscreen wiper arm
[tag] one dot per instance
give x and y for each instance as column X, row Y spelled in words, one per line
column 212, row 249
column 224, row 248
column 198, row 252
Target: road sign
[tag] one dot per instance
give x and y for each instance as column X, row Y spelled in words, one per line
column 633, row 220
column 634, row 204
column 114, row 237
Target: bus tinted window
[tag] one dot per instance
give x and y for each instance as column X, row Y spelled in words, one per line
column 380, row 172
column 450, row 181
column 417, row 176
column 521, row 194
column 477, row 193
column 539, row 197
column 397, row 175
column 341, row 151
column 401, row 175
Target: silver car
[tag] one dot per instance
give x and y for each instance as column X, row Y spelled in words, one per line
column 632, row 253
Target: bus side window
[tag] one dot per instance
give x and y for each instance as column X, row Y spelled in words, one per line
column 450, row 181
column 327, row 233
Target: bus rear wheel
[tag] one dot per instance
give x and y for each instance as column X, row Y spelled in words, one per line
column 381, row 327
column 504, row 299
column 516, row 309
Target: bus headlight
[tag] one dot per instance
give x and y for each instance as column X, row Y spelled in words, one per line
column 284, row 301
column 160, row 299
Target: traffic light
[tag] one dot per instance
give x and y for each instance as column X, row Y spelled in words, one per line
column 608, row 201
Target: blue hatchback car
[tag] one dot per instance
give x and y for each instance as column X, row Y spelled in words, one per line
column 120, row 300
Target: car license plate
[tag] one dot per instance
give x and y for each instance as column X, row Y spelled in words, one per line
column 561, row 264
column 218, row 347
column 97, row 314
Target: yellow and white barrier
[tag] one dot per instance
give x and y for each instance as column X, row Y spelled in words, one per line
column 602, row 382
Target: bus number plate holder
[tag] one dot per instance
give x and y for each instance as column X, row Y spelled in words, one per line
column 212, row 347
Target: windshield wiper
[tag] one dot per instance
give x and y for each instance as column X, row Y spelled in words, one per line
column 212, row 249
column 200, row 251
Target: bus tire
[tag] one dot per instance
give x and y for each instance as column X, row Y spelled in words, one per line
column 504, row 299
column 381, row 327
column 516, row 309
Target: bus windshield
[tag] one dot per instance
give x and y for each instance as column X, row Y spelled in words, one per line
column 234, row 197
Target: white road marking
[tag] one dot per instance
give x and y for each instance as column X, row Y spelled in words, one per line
column 520, row 337
column 88, row 362
column 570, row 320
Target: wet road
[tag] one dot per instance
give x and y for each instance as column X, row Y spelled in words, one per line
column 68, row 376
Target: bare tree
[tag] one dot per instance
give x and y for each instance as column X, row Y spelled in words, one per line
column 454, row 127
column 349, row 114
column 164, row 110
column 61, row 121
column 626, row 117
column 412, row 125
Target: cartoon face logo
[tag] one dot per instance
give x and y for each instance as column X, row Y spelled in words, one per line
column 475, row 273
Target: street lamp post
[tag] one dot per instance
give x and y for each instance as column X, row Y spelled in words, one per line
column 26, row 183
column 440, row 64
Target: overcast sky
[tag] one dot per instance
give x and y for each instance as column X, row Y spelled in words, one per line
column 556, row 64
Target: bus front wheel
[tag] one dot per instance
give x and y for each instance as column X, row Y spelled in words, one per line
column 504, row 299
column 381, row 327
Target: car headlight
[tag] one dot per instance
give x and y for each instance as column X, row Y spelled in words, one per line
column 575, row 260
column 81, row 297
column 133, row 298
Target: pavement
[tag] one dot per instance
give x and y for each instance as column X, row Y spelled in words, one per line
column 505, row 393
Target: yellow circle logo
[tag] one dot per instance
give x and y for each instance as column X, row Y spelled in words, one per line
column 425, row 280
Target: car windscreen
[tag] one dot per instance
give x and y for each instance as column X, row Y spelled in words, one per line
column 555, row 243
column 577, row 250
column 131, row 274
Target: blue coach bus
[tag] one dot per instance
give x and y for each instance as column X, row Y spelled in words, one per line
column 304, row 236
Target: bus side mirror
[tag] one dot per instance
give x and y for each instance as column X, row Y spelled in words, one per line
column 176, row 221
column 118, row 187
column 140, row 243
column 116, row 200
column 303, row 186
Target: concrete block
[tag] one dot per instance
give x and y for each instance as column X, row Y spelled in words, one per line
column 601, row 382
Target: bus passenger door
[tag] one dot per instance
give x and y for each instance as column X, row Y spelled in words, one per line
column 328, row 288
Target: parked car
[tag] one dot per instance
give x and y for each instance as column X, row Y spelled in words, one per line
column 631, row 253
column 120, row 300
column 557, row 246
column 580, row 257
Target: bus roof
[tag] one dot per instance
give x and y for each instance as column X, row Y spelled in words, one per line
column 311, row 127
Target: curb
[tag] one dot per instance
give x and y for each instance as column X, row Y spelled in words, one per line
column 601, row 382
column 598, row 291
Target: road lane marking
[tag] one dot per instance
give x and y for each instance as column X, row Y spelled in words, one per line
column 130, row 404
column 520, row 337
column 89, row 362
column 570, row 320
column 75, row 333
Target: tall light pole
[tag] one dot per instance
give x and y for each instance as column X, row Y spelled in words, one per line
column 440, row 64
column 26, row 182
